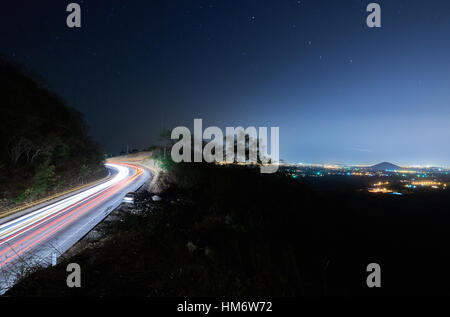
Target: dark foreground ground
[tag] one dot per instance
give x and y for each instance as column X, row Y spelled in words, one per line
column 230, row 231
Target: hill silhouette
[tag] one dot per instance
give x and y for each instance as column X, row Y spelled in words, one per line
column 45, row 143
column 385, row 166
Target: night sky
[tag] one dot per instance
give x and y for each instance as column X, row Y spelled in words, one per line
column 339, row 91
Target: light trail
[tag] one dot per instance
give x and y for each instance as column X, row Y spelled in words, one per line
column 53, row 209
column 70, row 217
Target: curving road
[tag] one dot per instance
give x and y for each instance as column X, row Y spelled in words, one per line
column 45, row 232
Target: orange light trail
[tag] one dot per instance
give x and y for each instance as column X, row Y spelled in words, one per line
column 30, row 239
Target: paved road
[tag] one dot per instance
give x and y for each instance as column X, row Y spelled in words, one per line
column 45, row 233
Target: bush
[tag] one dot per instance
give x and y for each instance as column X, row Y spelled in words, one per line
column 43, row 141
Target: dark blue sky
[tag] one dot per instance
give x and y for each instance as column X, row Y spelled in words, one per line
column 339, row 91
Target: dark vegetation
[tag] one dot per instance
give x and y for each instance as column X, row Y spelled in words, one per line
column 45, row 146
column 231, row 231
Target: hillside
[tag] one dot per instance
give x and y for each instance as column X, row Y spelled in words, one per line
column 385, row 166
column 230, row 231
column 45, row 143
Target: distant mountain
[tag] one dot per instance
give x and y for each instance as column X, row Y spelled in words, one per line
column 385, row 166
